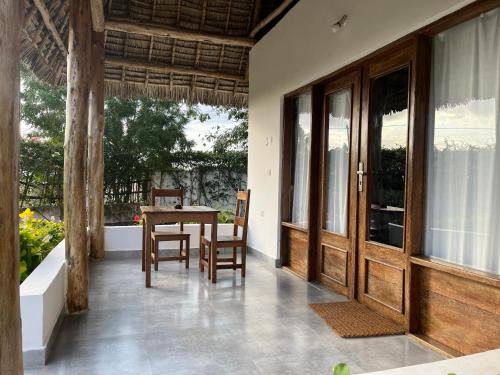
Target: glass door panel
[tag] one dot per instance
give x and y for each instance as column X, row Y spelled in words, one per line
column 338, row 207
column 301, row 155
column 337, row 179
column 387, row 157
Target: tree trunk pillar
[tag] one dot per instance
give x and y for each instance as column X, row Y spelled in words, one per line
column 96, row 148
column 11, row 21
column 75, row 154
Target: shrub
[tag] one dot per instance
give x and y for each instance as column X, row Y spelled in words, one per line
column 37, row 238
column 225, row 217
column 341, row 369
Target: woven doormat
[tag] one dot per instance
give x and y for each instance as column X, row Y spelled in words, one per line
column 352, row 319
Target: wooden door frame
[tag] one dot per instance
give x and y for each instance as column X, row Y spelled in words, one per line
column 352, row 80
column 286, row 175
column 387, row 256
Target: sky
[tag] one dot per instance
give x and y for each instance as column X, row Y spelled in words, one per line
column 196, row 131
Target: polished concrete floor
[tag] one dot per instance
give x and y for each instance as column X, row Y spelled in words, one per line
column 185, row 325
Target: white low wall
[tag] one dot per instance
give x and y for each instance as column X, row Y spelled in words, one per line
column 486, row 363
column 42, row 304
column 129, row 238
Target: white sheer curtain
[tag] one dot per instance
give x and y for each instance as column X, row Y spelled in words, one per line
column 339, row 126
column 463, row 184
column 302, row 151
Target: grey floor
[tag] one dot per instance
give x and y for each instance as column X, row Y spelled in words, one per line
column 185, row 325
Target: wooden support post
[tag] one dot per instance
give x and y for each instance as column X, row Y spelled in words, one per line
column 75, row 154
column 96, row 150
column 11, row 23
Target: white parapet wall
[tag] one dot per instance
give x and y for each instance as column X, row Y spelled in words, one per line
column 42, row 306
column 486, row 363
column 120, row 240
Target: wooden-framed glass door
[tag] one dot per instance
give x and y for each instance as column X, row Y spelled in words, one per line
column 338, row 198
column 382, row 177
column 296, row 181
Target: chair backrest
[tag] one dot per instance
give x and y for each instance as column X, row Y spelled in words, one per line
column 241, row 214
column 167, row 193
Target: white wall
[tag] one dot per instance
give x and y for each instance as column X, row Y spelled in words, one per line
column 129, row 238
column 300, row 49
column 42, row 302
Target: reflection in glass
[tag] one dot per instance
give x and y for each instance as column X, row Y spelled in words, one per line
column 463, row 161
column 339, row 126
column 301, row 153
column 387, row 157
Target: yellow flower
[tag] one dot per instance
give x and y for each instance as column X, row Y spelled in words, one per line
column 26, row 215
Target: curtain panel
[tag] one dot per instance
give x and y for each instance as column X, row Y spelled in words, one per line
column 339, row 129
column 301, row 155
column 463, row 167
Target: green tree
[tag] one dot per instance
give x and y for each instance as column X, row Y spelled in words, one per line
column 43, row 108
column 235, row 139
column 142, row 137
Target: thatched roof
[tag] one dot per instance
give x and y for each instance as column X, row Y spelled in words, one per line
column 193, row 50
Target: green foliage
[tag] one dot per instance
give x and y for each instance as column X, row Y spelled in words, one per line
column 142, row 137
column 43, row 108
column 41, row 172
column 226, row 217
column 341, row 369
column 37, row 238
column 235, row 139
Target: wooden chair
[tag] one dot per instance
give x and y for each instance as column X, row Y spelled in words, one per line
column 234, row 241
column 172, row 234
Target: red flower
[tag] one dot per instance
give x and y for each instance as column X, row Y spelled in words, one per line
column 137, row 219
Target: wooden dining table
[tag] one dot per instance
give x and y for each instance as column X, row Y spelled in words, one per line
column 157, row 215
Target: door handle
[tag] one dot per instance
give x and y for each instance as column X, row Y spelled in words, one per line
column 361, row 172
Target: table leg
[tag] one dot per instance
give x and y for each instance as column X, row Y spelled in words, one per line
column 142, row 250
column 202, row 248
column 147, row 249
column 213, row 250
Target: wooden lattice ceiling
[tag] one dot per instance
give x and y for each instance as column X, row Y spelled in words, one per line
column 192, row 50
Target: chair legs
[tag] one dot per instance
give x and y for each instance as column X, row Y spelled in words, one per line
column 202, row 256
column 243, row 260
column 155, row 248
column 234, row 258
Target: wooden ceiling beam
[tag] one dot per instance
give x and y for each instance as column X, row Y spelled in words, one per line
column 257, row 8
column 169, row 69
column 47, row 20
column 128, row 26
column 274, row 14
column 97, row 8
column 203, row 14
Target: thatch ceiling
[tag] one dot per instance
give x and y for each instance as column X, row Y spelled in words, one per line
column 193, row 50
